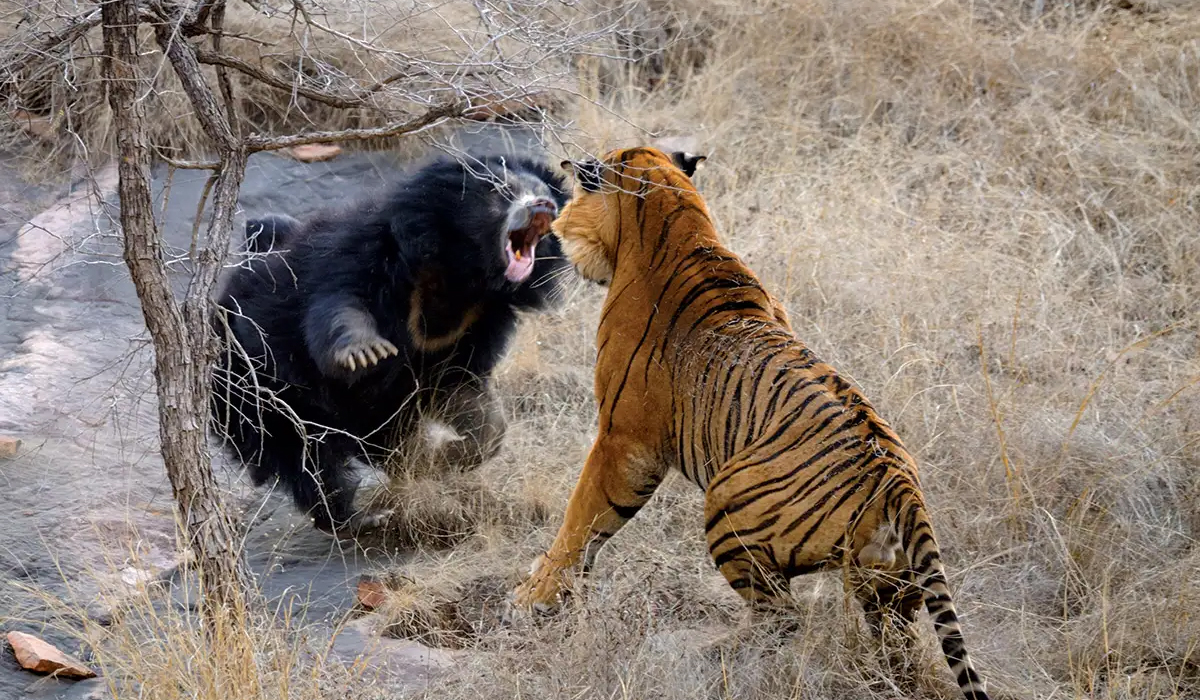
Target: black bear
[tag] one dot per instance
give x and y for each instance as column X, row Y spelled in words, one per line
column 270, row 232
column 337, row 332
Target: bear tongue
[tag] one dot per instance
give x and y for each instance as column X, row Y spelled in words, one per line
column 519, row 268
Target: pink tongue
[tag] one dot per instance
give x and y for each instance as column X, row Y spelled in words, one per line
column 518, row 270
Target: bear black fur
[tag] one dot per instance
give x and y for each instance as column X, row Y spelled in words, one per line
column 355, row 321
column 270, row 232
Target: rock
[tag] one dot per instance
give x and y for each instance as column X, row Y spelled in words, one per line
column 102, row 614
column 134, row 577
column 95, row 689
column 316, row 152
column 36, row 655
column 371, row 592
column 9, row 447
column 51, row 687
column 403, row 663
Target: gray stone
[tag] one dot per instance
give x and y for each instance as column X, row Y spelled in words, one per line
column 398, row 661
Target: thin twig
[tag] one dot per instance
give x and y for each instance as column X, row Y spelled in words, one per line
column 1095, row 385
column 1011, row 473
column 187, row 164
column 299, row 6
column 166, row 193
column 379, row 85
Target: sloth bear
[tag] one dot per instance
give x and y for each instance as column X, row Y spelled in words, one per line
column 338, row 332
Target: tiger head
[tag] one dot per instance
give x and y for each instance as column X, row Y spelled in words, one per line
column 607, row 197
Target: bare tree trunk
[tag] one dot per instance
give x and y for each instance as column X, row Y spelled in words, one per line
column 183, row 348
column 184, row 344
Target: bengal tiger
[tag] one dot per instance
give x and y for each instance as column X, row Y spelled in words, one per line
column 697, row 366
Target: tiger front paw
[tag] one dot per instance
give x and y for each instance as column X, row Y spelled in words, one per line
column 542, row 593
column 364, row 353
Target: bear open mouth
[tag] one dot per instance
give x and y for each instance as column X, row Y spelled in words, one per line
column 523, row 239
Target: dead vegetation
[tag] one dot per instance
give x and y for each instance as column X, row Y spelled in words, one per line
column 989, row 222
column 985, row 212
column 296, row 67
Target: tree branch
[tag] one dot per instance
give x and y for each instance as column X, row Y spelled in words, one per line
column 231, row 108
column 75, row 28
column 227, row 181
column 213, row 58
column 187, row 164
column 258, row 142
column 183, row 59
column 197, row 15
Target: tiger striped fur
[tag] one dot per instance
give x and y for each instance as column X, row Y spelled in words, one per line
column 698, row 367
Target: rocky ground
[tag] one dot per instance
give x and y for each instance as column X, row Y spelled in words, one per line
column 86, row 500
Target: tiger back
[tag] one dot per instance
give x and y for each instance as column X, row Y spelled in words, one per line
column 698, row 368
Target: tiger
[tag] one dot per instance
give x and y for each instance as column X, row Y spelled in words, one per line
column 698, row 367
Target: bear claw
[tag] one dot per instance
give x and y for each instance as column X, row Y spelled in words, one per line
column 365, row 354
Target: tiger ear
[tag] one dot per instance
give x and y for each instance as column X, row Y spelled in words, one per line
column 687, row 162
column 588, row 173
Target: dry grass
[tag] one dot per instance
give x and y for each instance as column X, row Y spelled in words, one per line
column 991, row 225
column 140, row 632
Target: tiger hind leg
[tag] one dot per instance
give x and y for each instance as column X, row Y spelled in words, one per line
column 771, row 619
column 750, row 569
column 891, row 603
column 759, row 583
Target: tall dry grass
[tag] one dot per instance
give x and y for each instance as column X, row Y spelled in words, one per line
column 989, row 221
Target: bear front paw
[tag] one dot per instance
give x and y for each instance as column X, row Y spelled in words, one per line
column 364, row 353
column 359, row 523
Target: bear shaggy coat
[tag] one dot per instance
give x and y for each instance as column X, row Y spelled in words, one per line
column 339, row 332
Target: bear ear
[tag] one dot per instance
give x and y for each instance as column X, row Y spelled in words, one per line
column 589, row 173
column 687, row 162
